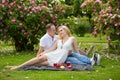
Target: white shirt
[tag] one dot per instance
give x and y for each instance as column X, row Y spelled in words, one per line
column 47, row 41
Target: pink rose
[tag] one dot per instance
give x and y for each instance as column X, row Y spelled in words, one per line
column 13, row 20
column 118, row 23
column 118, row 33
column 0, row 30
column 110, row 14
column 94, row 32
column 23, row 30
column 20, row 24
column 4, row 37
column 83, row 4
column 25, row 9
column 98, row 1
column 3, row 1
column 33, row 2
column 108, row 28
column 108, row 38
column 25, row 33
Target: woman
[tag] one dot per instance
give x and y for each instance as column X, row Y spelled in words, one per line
column 57, row 53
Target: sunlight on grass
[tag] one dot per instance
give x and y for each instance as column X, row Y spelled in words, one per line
column 108, row 70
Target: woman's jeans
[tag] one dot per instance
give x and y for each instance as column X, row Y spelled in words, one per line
column 76, row 58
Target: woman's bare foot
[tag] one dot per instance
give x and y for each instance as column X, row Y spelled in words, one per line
column 14, row 67
column 8, row 67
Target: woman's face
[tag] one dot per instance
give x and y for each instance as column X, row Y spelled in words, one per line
column 62, row 32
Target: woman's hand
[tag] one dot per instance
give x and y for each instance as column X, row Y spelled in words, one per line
column 39, row 54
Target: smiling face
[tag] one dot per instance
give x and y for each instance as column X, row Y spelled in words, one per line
column 52, row 30
column 63, row 31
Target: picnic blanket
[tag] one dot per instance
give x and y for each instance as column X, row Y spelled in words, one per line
column 75, row 67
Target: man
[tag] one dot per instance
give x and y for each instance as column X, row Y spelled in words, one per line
column 48, row 40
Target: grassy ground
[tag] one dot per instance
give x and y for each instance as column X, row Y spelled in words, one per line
column 108, row 70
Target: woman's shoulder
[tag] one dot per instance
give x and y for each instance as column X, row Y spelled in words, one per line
column 72, row 37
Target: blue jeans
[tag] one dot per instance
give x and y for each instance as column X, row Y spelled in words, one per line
column 76, row 58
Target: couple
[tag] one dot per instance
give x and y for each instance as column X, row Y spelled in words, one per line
column 59, row 49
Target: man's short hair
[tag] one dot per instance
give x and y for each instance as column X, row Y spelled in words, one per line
column 48, row 26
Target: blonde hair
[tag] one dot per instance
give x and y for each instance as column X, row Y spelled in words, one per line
column 66, row 29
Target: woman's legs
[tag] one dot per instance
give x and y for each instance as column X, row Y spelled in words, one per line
column 45, row 63
column 34, row 61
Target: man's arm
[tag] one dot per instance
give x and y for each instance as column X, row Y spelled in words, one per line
column 53, row 47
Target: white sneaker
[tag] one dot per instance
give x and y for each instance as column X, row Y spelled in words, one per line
column 93, row 60
column 97, row 62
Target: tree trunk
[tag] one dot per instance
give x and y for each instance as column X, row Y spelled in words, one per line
column 22, row 45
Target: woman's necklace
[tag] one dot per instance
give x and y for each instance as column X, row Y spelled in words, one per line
column 63, row 42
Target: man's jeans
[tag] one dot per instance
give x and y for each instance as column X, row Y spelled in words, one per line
column 76, row 58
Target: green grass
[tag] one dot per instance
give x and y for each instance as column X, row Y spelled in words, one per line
column 89, row 38
column 109, row 70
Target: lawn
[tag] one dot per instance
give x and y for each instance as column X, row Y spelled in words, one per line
column 108, row 70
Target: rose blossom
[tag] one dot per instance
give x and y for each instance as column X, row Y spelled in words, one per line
column 0, row 30
column 108, row 38
column 118, row 24
column 20, row 24
column 83, row 5
column 94, row 32
column 4, row 37
column 98, row 1
column 25, row 33
column 118, row 33
column 13, row 20
column 23, row 30
column 3, row 1
column 110, row 14
column 25, row 9
column 108, row 28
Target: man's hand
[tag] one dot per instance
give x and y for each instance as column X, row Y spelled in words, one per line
column 69, row 52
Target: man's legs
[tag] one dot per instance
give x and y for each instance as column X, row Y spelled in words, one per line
column 74, row 60
column 82, row 58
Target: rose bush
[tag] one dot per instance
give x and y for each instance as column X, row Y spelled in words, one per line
column 24, row 21
column 106, row 19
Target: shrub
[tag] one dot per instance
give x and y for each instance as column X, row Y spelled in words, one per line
column 78, row 26
column 106, row 18
column 24, row 21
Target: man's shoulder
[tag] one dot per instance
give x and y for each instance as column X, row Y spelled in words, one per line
column 44, row 37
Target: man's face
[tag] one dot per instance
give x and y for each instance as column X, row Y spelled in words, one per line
column 52, row 30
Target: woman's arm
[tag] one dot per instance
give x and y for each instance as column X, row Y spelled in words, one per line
column 52, row 48
column 41, row 49
column 75, row 46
